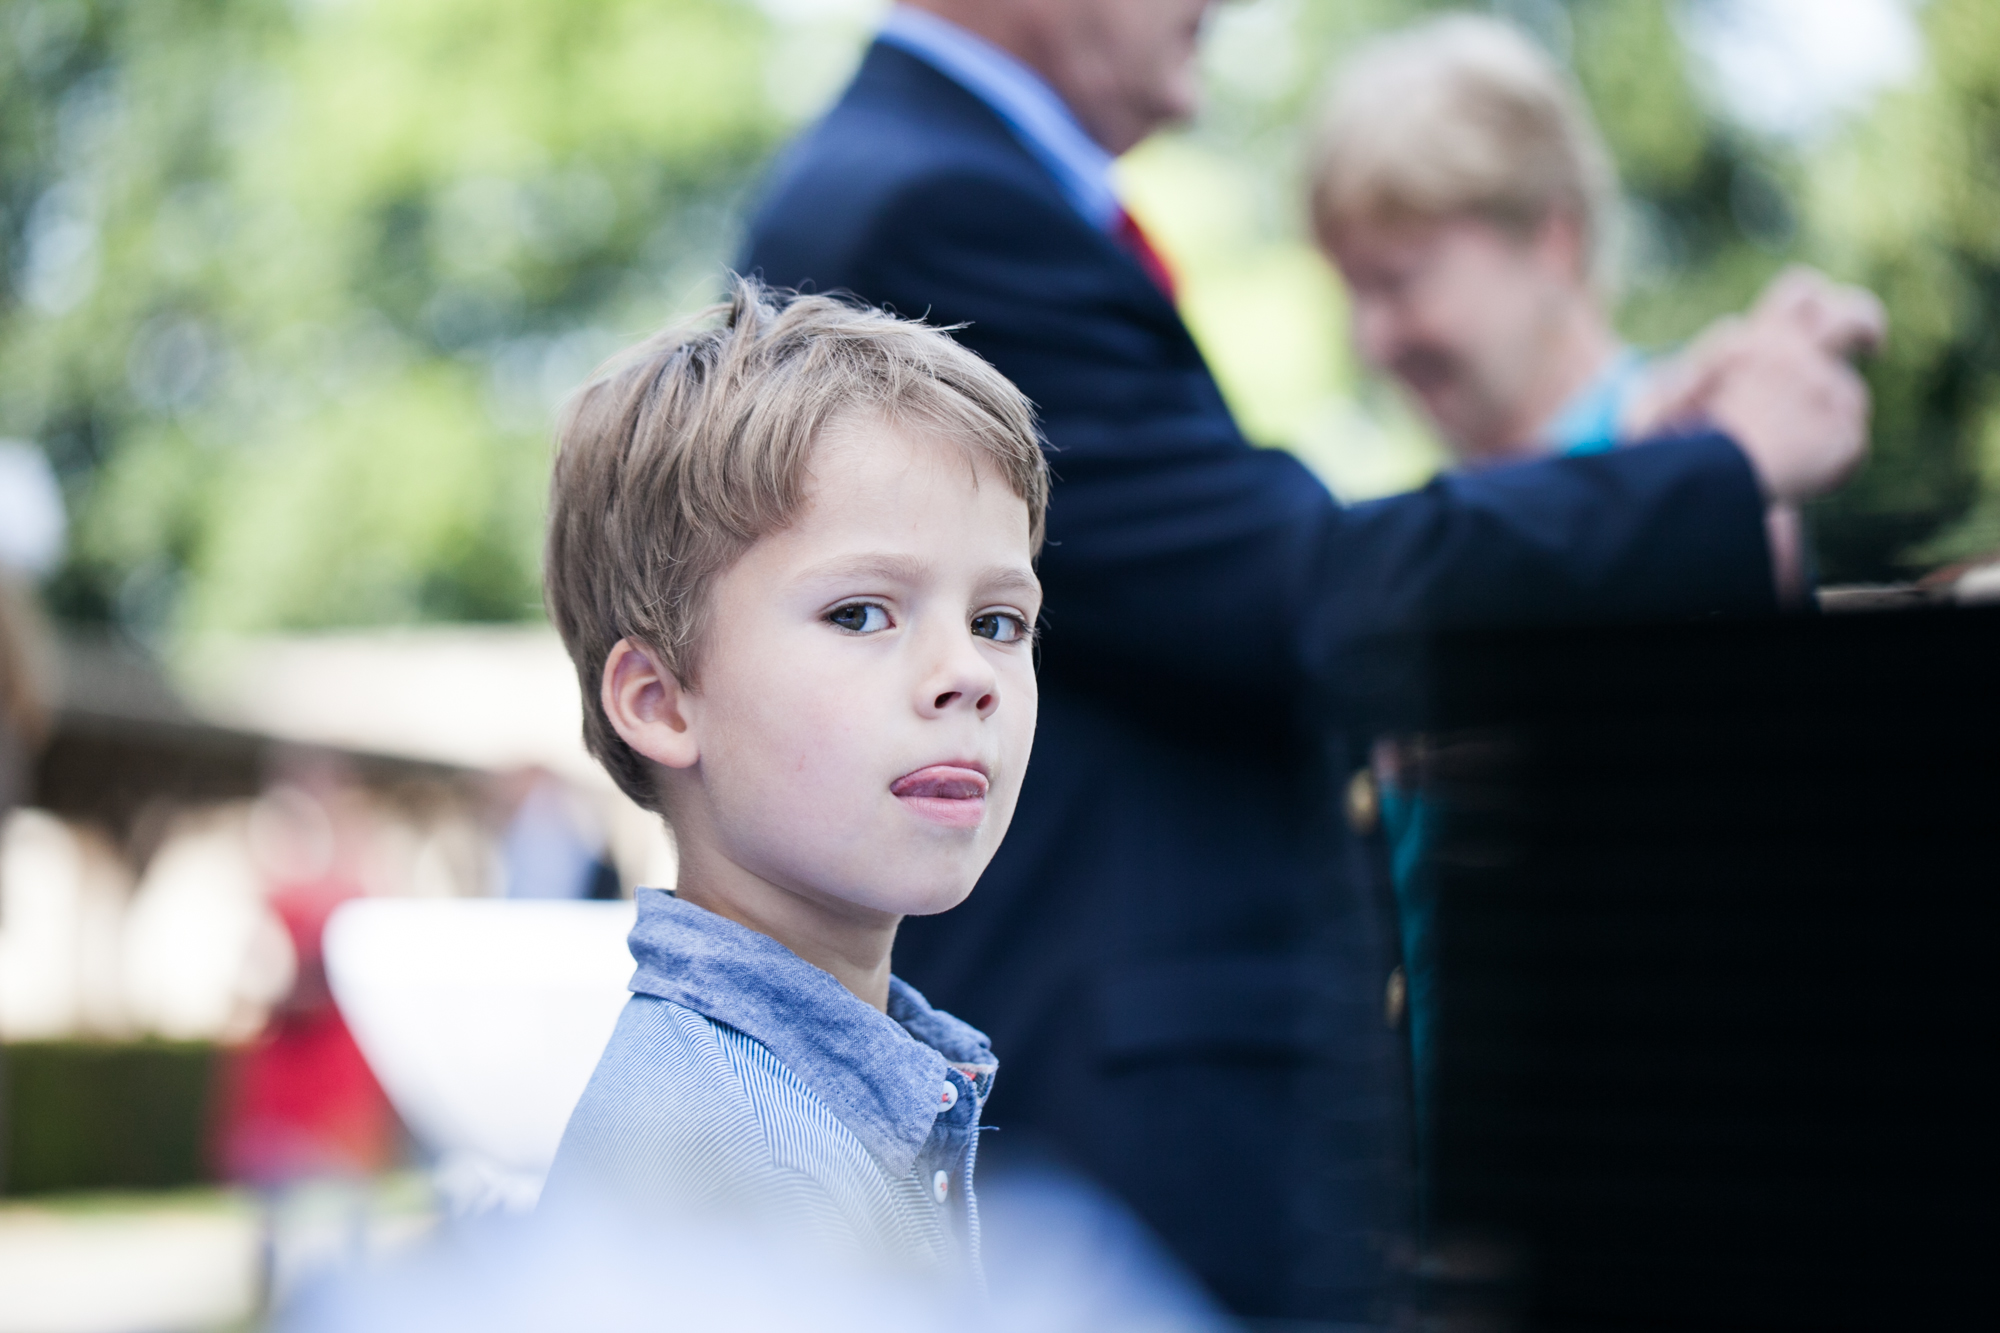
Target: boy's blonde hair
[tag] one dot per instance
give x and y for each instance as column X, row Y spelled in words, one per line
column 1461, row 116
column 682, row 453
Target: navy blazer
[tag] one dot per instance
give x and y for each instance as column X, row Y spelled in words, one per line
column 1181, row 950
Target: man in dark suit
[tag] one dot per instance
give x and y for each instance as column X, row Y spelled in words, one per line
column 1185, row 952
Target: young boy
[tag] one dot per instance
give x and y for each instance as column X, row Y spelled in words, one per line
column 792, row 556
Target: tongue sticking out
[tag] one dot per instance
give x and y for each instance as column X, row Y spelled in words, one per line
column 944, row 794
column 941, row 782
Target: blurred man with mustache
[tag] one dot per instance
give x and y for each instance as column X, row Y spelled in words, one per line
column 1459, row 185
column 1188, row 943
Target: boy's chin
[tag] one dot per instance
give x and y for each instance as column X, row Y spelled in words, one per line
column 928, row 900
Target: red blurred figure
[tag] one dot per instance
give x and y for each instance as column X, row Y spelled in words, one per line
column 300, row 1100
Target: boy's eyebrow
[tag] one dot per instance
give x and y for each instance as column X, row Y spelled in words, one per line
column 907, row 569
column 1010, row 578
column 887, row 568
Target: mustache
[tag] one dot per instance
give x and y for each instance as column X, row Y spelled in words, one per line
column 1425, row 367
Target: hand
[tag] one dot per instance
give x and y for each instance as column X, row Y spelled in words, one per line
column 1842, row 320
column 1800, row 414
column 1778, row 382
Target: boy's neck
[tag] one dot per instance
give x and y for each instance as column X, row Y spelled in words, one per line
column 853, row 943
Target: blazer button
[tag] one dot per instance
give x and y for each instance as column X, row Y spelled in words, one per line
column 1395, row 998
column 940, row 1185
column 1364, row 807
column 949, row 1097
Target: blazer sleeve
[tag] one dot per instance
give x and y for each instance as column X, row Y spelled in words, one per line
column 1177, row 547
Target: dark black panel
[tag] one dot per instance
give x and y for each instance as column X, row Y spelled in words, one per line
column 1715, row 951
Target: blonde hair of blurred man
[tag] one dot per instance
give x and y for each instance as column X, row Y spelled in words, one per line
column 1459, row 185
column 1463, row 116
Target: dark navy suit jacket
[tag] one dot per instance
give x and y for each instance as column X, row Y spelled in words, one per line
column 1182, row 947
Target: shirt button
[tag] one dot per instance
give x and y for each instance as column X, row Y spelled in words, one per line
column 949, row 1098
column 940, row 1185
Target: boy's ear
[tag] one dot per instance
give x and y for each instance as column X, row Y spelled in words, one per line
column 648, row 706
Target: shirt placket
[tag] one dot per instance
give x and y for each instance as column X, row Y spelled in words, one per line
column 945, row 1162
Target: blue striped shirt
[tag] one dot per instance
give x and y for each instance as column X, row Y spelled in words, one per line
column 742, row 1079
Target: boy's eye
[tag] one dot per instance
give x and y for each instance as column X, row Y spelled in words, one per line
column 859, row 617
column 1000, row 626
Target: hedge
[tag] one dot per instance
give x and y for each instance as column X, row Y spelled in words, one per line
column 77, row 1115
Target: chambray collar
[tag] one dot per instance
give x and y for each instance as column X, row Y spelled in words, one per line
column 880, row 1073
column 1036, row 114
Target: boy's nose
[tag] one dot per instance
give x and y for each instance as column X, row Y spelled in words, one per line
column 963, row 679
column 984, row 704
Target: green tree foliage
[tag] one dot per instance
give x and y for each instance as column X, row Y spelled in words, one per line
column 294, row 286
column 1908, row 201
column 1707, row 221
column 288, row 288
column 1901, row 200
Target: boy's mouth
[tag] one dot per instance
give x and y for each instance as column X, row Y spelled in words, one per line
column 951, row 794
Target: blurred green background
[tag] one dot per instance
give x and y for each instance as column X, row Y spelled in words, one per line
column 292, row 288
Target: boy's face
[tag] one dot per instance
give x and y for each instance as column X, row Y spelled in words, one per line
column 865, row 695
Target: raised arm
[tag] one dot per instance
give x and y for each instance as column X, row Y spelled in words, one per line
column 1179, row 549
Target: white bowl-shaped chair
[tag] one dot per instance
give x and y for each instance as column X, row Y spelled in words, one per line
column 483, row 1019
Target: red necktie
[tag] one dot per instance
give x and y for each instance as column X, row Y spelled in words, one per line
column 1134, row 238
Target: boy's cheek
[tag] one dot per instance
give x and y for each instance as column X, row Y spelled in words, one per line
column 793, row 695
column 1022, row 697
column 1018, row 751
